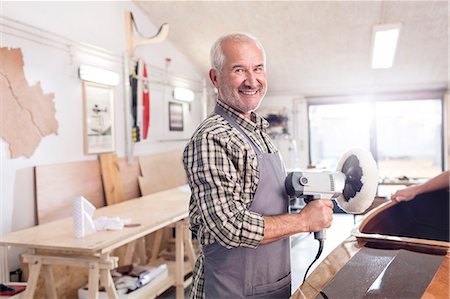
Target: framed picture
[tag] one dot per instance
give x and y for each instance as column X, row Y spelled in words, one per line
column 175, row 116
column 98, row 118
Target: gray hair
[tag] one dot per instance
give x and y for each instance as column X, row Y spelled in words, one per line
column 217, row 56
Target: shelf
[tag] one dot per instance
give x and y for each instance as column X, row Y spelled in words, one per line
column 157, row 286
column 17, row 296
column 152, row 290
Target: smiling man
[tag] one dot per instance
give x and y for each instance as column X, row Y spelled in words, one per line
column 238, row 207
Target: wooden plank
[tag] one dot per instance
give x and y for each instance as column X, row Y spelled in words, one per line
column 179, row 260
column 35, row 268
column 162, row 171
column 129, row 175
column 57, row 184
column 119, row 177
column 108, row 283
column 112, row 180
column 94, row 275
column 49, row 282
column 146, row 186
column 67, row 281
column 439, row 286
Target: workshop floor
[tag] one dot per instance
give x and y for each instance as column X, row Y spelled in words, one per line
column 303, row 251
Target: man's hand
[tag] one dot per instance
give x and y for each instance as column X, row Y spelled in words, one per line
column 317, row 214
column 405, row 194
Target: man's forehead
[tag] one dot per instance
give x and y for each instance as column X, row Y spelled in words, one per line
column 232, row 43
column 242, row 50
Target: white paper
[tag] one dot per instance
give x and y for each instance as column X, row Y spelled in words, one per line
column 82, row 211
column 110, row 223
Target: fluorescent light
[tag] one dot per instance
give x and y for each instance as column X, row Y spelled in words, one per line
column 93, row 74
column 183, row 94
column 384, row 44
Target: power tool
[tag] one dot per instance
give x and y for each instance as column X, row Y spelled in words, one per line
column 353, row 185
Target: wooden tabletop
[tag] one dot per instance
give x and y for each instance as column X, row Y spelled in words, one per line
column 151, row 212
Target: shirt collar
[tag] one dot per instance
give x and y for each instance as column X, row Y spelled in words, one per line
column 257, row 122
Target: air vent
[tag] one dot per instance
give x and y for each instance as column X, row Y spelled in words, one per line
column 332, row 182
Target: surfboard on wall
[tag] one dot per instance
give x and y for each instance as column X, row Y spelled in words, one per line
column 146, row 105
column 140, row 102
column 135, row 132
column 140, row 88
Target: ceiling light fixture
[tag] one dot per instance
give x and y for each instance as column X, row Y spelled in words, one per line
column 183, row 94
column 101, row 76
column 384, row 45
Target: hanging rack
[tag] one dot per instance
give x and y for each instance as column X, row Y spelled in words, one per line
column 131, row 44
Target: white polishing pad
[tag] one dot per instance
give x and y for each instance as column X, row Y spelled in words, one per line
column 364, row 198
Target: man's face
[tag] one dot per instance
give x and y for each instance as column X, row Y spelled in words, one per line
column 242, row 83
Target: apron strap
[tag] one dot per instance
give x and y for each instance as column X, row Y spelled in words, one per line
column 219, row 110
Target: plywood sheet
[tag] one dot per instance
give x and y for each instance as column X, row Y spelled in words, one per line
column 112, row 181
column 129, row 175
column 146, row 186
column 57, row 184
column 162, row 171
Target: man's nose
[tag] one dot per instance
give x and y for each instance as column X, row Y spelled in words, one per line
column 251, row 80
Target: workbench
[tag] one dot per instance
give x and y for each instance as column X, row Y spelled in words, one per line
column 54, row 243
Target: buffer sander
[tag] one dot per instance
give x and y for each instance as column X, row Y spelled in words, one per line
column 353, row 185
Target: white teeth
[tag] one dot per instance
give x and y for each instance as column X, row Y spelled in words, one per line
column 248, row 92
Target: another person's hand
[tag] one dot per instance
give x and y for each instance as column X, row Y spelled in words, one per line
column 318, row 214
column 406, row 194
column 436, row 183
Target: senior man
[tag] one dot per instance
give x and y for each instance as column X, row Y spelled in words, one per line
column 239, row 208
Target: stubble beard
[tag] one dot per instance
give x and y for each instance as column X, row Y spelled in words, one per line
column 231, row 97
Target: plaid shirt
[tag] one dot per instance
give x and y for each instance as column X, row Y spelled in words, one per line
column 222, row 171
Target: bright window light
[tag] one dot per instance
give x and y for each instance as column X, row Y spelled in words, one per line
column 183, row 94
column 101, row 76
column 384, row 44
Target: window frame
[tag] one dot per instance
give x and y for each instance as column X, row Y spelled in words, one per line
column 372, row 100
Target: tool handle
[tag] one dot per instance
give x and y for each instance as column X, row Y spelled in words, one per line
column 320, row 235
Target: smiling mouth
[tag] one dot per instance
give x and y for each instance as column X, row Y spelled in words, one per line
column 248, row 92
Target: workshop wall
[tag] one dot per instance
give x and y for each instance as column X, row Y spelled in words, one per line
column 55, row 38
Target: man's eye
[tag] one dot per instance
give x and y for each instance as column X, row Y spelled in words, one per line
column 239, row 70
column 259, row 69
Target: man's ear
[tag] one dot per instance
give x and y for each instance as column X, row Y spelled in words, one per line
column 214, row 77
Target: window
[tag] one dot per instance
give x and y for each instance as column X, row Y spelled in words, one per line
column 404, row 136
column 409, row 138
column 336, row 128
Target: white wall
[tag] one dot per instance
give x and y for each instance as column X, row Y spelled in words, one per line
column 55, row 65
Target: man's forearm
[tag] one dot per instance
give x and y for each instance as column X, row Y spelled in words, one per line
column 282, row 226
column 315, row 216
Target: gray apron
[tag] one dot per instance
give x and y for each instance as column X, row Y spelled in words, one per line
column 263, row 272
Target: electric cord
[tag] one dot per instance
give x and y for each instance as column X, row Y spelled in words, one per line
column 319, row 252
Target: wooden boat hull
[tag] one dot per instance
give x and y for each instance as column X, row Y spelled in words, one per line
column 399, row 250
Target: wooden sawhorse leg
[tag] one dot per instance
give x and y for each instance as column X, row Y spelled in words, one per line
column 35, row 269
column 179, row 259
column 99, row 269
